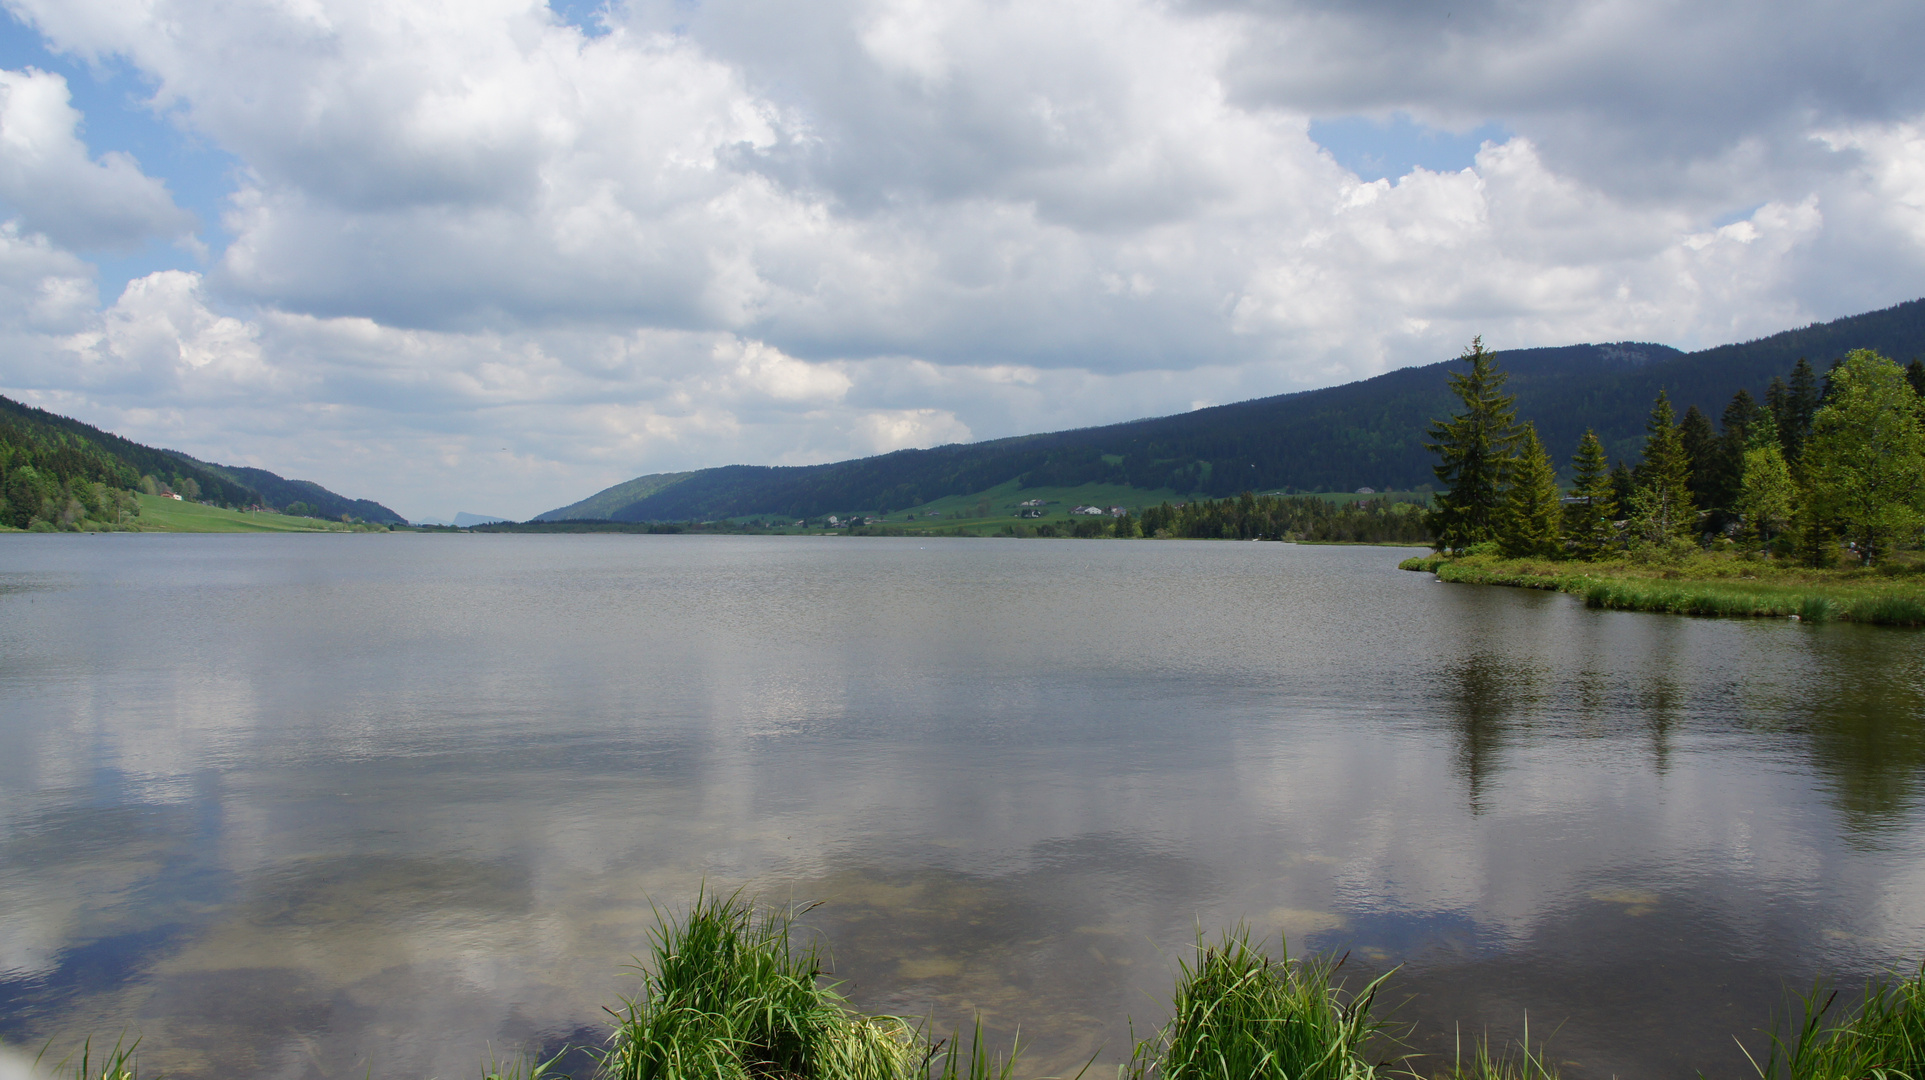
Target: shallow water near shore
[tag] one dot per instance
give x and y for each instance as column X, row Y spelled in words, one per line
column 312, row 806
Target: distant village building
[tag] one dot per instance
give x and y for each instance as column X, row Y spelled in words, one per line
column 1117, row 511
column 1030, row 502
column 1366, row 491
column 1092, row 511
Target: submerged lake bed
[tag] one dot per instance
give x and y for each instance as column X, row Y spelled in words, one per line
column 316, row 805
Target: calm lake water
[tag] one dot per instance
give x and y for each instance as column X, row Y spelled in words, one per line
column 315, row 806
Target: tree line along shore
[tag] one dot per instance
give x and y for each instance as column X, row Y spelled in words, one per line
column 1808, row 504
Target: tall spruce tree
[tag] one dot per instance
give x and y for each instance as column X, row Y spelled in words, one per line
column 1778, row 401
column 1475, row 448
column 1532, row 509
column 1734, row 438
column 1624, row 485
column 1801, row 404
column 1662, row 506
column 1700, row 441
column 1865, row 463
column 1588, row 521
column 1915, row 374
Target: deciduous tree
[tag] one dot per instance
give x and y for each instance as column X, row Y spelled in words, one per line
column 1766, row 491
column 1865, row 463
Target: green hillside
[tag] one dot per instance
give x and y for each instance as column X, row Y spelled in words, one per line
column 58, row 473
column 304, row 497
column 604, row 504
column 1369, row 433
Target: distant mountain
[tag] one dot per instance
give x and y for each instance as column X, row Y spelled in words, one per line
column 466, row 520
column 68, row 450
column 1368, row 433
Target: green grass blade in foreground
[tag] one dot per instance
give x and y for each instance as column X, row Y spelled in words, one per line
column 522, row 1067
column 116, row 1064
column 1884, row 1040
column 1523, row 1063
column 1239, row 1014
column 979, row 1064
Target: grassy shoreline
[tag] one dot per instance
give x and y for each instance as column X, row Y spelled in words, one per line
column 1718, row 585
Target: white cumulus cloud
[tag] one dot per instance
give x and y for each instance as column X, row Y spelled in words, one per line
column 529, row 261
column 55, row 188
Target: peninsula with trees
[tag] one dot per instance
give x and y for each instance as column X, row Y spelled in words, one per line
column 1809, row 504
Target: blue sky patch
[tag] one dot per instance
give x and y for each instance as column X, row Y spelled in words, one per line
column 1380, row 149
column 110, row 97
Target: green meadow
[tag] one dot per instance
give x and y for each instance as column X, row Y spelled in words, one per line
column 160, row 514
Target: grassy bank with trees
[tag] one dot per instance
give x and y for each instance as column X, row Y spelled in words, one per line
column 1811, row 503
column 734, row 992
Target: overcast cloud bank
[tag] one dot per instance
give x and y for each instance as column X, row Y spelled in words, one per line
column 479, row 255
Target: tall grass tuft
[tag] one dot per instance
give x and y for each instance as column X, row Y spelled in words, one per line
column 730, row 994
column 1885, row 1040
column 1241, row 1015
column 949, row 1062
column 1523, row 1064
column 1888, row 610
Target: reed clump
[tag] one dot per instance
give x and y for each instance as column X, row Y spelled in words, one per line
column 1240, row 1014
column 730, row 993
column 1883, row 1040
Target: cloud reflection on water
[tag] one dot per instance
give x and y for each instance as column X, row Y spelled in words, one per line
column 292, row 808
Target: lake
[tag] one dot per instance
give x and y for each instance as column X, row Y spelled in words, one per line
column 316, row 806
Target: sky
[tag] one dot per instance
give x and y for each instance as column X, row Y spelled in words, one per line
column 491, row 255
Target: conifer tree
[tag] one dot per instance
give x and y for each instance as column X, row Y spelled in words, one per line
column 1734, row 438
column 1532, row 509
column 1588, row 523
column 1476, row 448
column 1700, row 442
column 1778, row 402
column 1624, row 485
column 1662, row 504
column 1801, row 404
column 1915, row 374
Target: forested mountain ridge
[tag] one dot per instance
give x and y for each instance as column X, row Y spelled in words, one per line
column 61, row 471
column 23, row 426
column 1367, row 433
